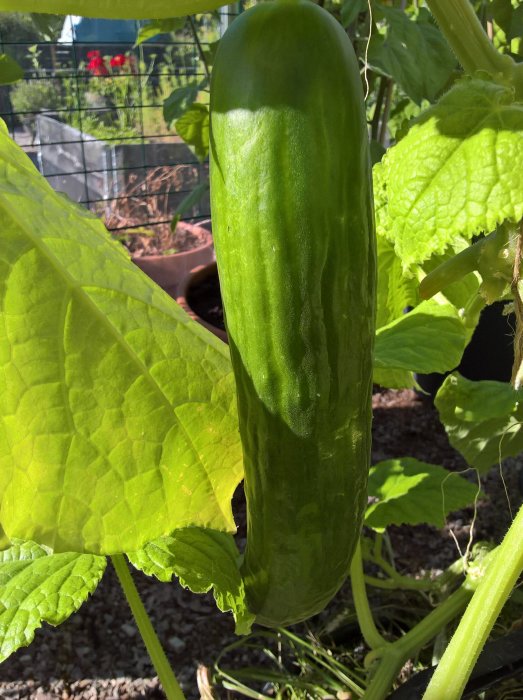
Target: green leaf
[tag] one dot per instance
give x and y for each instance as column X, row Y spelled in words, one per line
column 10, row 70
column 48, row 26
column 484, row 420
column 187, row 204
column 501, row 12
column 350, row 9
column 193, row 127
column 395, row 290
column 411, row 492
column 201, row 559
column 453, row 174
column 179, row 101
column 117, row 412
column 430, row 338
column 37, row 586
column 113, row 9
column 158, row 26
column 413, row 52
column 393, row 378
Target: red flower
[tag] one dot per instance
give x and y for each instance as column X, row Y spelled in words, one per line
column 97, row 66
column 118, row 60
column 93, row 54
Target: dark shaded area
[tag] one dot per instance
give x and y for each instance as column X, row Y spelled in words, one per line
column 489, row 355
column 500, row 660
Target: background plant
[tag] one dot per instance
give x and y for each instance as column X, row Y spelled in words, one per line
column 129, row 335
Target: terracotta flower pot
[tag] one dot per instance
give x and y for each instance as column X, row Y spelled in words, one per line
column 169, row 270
column 199, row 295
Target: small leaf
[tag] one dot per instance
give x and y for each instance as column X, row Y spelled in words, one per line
column 187, row 204
column 193, row 127
column 48, row 26
column 411, row 492
column 10, row 70
column 179, row 101
column 350, row 9
column 413, row 52
column 484, row 420
column 395, row 290
column 37, row 586
column 430, row 338
column 453, row 174
column 201, row 559
column 158, row 26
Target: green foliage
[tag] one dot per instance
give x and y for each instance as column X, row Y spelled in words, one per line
column 159, row 26
column 38, row 586
column 431, row 338
column 29, row 97
column 410, row 492
column 413, row 52
column 193, row 127
column 10, row 70
column 115, row 9
column 202, row 560
column 102, row 379
column 484, row 420
column 453, row 174
column 179, row 101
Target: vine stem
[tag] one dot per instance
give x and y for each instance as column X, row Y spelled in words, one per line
column 361, row 603
column 156, row 653
column 393, row 656
column 469, row 41
column 493, row 590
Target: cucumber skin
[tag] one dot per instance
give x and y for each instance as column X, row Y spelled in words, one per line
column 293, row 226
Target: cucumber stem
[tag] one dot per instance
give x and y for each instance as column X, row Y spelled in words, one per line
column 467, row 38
column 156, row 653
column 493, row 590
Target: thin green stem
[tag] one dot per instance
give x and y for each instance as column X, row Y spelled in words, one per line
column 198, row 43
column 361, row 603
column 393, row 656
column 165, row 673
column 459, row 658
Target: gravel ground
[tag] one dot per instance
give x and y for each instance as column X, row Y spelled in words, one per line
column 98, row 653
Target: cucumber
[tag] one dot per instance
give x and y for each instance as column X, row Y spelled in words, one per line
column 293, row 226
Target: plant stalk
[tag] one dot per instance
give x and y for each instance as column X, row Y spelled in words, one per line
column 493, row 590
column 156, row 653
column 394, row 655
column 361, row 603
column 469, row 41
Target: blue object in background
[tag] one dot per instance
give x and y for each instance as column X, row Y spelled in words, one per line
column 87, row 30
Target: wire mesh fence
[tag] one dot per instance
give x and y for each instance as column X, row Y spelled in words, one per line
column 90, row 114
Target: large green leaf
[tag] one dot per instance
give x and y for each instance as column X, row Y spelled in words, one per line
column 454, row 172
column 413, row 52
column 37, row 586
column 113, row 9
column 201, row 559
column 431, row 338
column 484, row 420
column 411, row 492
column 118, row 411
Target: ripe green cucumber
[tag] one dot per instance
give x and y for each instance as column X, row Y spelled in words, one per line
column 293, row 226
